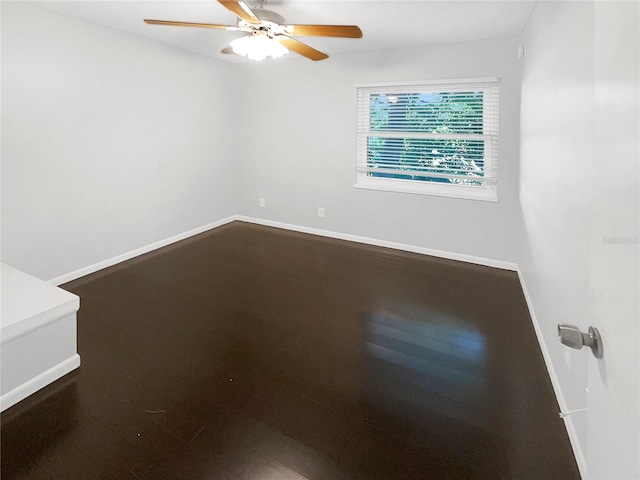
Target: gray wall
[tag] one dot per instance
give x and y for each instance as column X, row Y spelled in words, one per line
column 201, row 139
column 110, row 142
column 300, row 149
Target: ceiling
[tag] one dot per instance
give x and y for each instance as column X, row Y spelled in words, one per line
column 385, row 24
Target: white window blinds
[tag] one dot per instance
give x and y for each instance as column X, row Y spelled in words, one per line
column 429, row 134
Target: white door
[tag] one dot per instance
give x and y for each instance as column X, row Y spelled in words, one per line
column 613, row 449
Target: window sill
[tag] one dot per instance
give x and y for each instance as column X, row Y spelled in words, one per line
column 484, row 195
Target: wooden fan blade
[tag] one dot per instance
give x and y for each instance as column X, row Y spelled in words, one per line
column 346, row 31
column 241, row 10
column 301, row 48
column 188, row 24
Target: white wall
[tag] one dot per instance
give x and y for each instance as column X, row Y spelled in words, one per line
column 110, row 142
column 555, row 183
column 579, row 185
column 300, row 149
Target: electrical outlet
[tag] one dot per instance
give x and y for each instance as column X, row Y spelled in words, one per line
column 321, row 212
column 262, row 203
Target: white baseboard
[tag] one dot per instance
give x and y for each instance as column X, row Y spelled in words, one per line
column 562, row 403
column 139, row 251
column 34, row 384
column 579, row 454
column 286, row 226
column 573, row 437
column 383, row 243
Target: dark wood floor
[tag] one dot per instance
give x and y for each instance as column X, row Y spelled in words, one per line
column 256, row 353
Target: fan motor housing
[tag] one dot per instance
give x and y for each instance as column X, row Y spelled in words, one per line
column 271, row 23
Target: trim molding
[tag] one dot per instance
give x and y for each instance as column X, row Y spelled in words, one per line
column 38, row 382
column 81, row 272
column 487, row 262
column 562, row 403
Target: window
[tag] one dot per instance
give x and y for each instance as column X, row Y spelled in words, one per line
column 435, row 138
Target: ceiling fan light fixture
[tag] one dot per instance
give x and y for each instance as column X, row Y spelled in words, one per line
column 268, row 35
column 258, row 47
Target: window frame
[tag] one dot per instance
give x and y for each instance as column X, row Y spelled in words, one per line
column 488, row 85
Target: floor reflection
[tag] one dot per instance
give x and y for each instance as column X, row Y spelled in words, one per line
column 430, row 359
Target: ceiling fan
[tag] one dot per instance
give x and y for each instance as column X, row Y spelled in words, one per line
column 268, row 34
